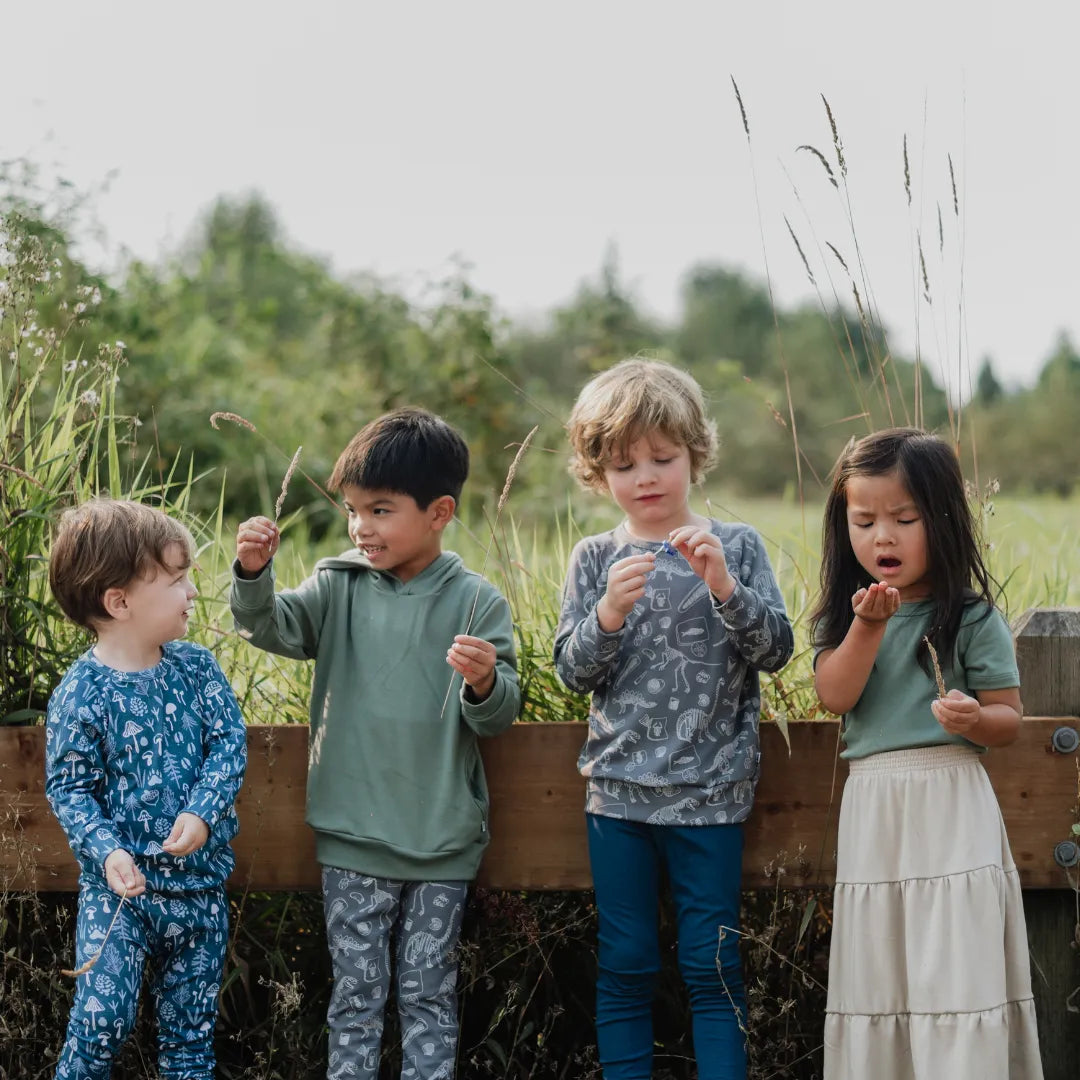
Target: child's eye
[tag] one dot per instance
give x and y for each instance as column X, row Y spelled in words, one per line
column 906, row 521
column 862, row 524
column 622, row 468
column 663, row 460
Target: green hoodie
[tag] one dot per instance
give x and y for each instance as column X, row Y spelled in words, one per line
column 396, row 786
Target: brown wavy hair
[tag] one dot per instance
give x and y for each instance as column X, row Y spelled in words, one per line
column 106, row 544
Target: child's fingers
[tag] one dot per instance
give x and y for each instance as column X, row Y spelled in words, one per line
column 636, row 568
column 691, row 538
column 473, row 642
column 471, row 655
column 258, row 531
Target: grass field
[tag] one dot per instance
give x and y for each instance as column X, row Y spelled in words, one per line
column 1032, row 549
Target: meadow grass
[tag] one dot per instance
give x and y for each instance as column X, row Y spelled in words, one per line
column 1029, row 541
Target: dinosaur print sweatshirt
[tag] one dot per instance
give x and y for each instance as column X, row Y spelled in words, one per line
column 673, row 725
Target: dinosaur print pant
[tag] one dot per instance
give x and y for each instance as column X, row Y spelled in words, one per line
column 183, row 936
column 361, row 914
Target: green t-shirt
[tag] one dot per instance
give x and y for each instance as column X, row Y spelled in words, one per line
column 893, row 712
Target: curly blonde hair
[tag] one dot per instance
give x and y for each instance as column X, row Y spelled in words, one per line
column 632, row 399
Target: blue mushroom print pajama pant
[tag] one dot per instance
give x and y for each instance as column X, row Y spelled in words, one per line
column 361, row 912
column 183, row 935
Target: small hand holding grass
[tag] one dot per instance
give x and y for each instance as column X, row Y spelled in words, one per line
column 877, row 603
column 122, row 875
column 189, row 833
column 257, row 540
column 625, row 587
column 474, row 660
column 956, row 712
column 705, row 554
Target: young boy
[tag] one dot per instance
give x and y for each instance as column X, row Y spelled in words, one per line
column 396, row 791
column 666, row 620
column 145, row 754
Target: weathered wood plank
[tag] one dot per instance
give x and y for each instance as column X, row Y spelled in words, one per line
column 538, row 835
column 1048, row 652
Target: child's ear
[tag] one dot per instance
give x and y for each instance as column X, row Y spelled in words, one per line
column 114, row 601
column 442, row 511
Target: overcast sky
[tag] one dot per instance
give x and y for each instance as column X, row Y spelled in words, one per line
column 526, row 138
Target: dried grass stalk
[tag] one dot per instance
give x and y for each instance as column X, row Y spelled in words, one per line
column 233, row 418
column 94, row 959
column 939, row 678
column 285, row 483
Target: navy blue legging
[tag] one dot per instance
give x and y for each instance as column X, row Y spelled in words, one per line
column 704, row 869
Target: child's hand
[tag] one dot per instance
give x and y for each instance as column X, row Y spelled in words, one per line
column 473, row 659
column 705, row 554
column 625, row 587
column 956, row 712
column 189, row 833
column 122, row 875
column 256, row 541
column 877, row 603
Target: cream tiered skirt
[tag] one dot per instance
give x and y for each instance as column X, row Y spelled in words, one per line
column 929, row 977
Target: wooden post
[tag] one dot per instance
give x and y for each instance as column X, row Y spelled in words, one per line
column 1048, row 652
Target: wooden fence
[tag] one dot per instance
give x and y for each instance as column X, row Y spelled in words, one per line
column 537, row 817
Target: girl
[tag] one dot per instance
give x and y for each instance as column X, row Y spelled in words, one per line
column 666, row 620
column 928, row 973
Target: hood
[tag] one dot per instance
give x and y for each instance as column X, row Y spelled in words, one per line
column 431, row 579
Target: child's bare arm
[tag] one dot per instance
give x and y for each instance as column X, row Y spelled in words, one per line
column 841, row 673
column 257, row 540
column 991, row 718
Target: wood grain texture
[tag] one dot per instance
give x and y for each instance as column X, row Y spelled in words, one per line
column 537, row 800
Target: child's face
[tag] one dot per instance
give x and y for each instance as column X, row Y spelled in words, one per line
column 651, row 485
column 887, row 533
column 393, row 532
column 158, row 607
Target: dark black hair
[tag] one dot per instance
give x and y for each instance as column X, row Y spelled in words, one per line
column 410, row 452
column 930, row 471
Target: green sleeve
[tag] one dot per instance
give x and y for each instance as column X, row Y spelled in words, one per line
column 988, row 655
column 288, row 623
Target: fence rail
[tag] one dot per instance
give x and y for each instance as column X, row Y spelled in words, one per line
column 537, row 798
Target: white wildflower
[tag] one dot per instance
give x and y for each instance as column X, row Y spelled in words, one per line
column 90, row 397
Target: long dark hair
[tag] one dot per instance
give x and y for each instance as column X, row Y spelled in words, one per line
column 928, row 467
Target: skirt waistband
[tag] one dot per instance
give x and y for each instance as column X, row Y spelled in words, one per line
column 919, row 759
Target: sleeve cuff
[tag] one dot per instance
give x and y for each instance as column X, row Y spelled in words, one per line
column 251, row 593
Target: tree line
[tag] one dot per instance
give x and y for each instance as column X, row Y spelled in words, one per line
column 239, row 319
